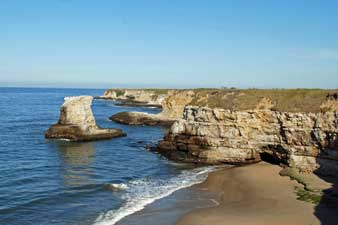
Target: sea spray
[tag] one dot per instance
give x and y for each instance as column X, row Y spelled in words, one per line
column 142, row 192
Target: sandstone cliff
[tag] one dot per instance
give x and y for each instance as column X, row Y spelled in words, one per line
column 174, row 101
column 77, row 122
column 307, row 141
column 137, row 97
column 172, row 109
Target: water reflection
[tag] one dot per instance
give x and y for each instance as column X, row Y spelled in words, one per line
column 76, row 162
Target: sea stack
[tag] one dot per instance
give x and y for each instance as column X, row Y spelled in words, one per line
column 77, row 122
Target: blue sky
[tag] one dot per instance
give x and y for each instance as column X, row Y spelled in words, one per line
column 172, row 43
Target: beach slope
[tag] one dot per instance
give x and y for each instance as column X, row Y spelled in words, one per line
column 253, row 195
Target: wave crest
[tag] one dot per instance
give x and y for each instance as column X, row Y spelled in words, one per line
column 144, row 191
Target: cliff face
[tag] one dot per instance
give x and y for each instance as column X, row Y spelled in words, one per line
column 172, row 109
column 308, row 141
column 77, row 111
column 77, row 122
column 174, row 103
column 147, row 96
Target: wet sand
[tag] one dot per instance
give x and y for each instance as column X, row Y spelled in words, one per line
column 253, row 195
column 167, row 210
column 249, row 195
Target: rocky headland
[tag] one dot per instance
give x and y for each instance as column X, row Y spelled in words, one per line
column 136, row 97
column 172, row 105
column 77, row 122
column 307, row 141
column 297, row 129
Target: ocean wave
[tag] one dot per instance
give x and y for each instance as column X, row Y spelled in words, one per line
column 145, row 191
column 118, row 186
column 63, row 139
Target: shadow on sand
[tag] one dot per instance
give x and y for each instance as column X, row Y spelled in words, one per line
column 327, row 210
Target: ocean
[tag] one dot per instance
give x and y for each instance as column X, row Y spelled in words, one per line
column 60, row 182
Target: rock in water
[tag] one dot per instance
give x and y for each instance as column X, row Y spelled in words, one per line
column 77, row 122
column 141, row 118
column 172, row 109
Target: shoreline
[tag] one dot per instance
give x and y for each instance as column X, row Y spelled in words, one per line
column 255, row 195
column 143, row 198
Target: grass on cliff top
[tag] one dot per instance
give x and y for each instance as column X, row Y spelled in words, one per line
column 121, row 91
column 286, row 100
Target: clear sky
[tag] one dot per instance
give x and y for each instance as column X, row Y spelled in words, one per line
column 172, row 43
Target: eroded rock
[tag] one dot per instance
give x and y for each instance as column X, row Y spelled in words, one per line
column 308, row 141
column 136, row 97
column 141, row 118
column 172, row 110
column 77, row 122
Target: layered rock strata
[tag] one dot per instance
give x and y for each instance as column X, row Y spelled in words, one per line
column 307, row 141
column 174, row 101
column 77, row 122
column 172, row 110
column 136, row 97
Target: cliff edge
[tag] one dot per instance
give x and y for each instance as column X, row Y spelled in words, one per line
column 307, row 141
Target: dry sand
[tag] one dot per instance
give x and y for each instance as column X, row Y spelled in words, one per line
column 254, row 195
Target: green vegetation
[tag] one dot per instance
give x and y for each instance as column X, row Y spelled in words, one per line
column 158, row 91
column 294, row 174
column 306, row 193
column 308, row 196
column 119, row 92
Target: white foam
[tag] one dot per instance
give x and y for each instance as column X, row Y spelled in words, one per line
column 119, row 186
column 64, row 139
column 145, row 191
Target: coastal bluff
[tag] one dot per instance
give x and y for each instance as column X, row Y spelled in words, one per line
column 173, row 101
column 306, row 141
column 77, row 122
column 172, row 105
column 294, row 127
column 136, row 97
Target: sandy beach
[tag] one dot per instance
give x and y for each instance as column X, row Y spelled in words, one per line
column 255, row 195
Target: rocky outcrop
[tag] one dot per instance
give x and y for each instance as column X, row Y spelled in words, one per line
column 136, row 97
column 141, row 118
column 307, row 141
column 77, row 122
column 172, row 110
column 174, row 103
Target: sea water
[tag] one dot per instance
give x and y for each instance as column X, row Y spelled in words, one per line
column 61, row 182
